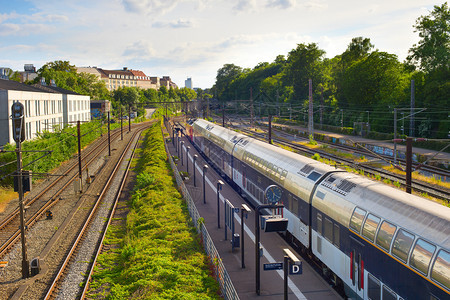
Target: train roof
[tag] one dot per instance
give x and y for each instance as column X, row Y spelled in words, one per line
column 421, row 216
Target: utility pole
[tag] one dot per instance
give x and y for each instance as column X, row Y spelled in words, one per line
column 270, row 129
column 395, row 135
column 80, row 187
column 278, row 105
column 109, row 136
column 310, row 112
column 321, row 107
column 18, row 122
column 411, row 120
column 121, row 124
column 408, row 164
column 251, row 108
column 129, row 116
column 223, row 114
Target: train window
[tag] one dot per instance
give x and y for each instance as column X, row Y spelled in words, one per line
column 441, row 269
column 336, row 235
column 328, row 230
column 421, row 256
column 370, row 227
column 385, row 235
column 319, row 224
column 357, row 219
column 293, row 205
column 374, row 288
column 388, row 294
column 402, row 243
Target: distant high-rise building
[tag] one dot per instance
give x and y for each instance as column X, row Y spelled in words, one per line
column 188, row 83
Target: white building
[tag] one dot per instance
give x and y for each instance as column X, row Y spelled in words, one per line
column 46, row 107
column 188, row 83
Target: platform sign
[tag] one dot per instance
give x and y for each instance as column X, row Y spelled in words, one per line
column 273, row 266
column 296, row 269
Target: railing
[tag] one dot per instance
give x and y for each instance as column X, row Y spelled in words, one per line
column 226, row 286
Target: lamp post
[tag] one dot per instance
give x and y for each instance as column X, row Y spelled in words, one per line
column 195, row 159
column 187, row 158
column 181, row 152
column 244, row 209
column 219, row 188
column 205, row 169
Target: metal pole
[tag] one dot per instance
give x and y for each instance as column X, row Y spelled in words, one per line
column 79, row 156
column 219, row 187
column 242, row 238
column 411, row 121
column 25, row 265
column 257, row 258
column 408, row 164
column 121, row 122
column 181, row 153
column 109, row 137
column 223, row 114
column 395, row 135
column 310, row 112
column 205, row 169
column 270, row 129
column 129, row 120
column 285, row 268
column 187, row 158
column 195, row 159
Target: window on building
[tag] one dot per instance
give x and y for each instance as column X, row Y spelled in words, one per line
column 402, row 243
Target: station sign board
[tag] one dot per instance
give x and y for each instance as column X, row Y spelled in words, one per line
column 273, row 266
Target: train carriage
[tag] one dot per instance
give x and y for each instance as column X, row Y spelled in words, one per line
column 376, row 241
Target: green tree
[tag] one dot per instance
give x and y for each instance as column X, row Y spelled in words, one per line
column 433, row 50
column 304, row 63
column 224, row 78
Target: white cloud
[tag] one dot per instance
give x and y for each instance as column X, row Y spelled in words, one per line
column 139, row 51
column 181, row 23
column 284, row 4
column 10, row 29
column 245, row 5
column 147, row 7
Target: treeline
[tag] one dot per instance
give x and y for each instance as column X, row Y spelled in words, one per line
column 363, row 84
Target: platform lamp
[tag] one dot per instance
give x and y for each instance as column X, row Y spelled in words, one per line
column 195, row 159
column 205, row 169
column 219, row 188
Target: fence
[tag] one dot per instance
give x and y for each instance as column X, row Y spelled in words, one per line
column 226, row 286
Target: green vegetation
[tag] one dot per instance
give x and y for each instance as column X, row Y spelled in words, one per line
column 362, row 85
column 160, row 254
column 63, row 144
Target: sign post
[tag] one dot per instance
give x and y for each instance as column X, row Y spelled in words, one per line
column 294, row 269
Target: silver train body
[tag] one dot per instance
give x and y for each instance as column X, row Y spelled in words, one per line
column 374, row 240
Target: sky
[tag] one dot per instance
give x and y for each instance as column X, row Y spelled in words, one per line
column 195, row 38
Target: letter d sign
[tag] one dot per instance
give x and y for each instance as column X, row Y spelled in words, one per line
column 296, row 269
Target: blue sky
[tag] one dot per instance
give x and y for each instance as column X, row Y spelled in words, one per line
column 194, row 38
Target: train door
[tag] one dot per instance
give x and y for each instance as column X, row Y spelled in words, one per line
column 357, row 269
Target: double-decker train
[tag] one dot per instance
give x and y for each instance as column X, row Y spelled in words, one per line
column 372, row 240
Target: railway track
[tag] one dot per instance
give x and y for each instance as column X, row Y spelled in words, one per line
column 47, row 197
column 54, row 289
column 47, row 239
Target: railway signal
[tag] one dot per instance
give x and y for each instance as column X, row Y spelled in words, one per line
column 18, row 121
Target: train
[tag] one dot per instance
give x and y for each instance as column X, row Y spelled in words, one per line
column 372, row 241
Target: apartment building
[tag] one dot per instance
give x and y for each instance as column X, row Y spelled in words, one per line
column 46, row 108
column 127, row 77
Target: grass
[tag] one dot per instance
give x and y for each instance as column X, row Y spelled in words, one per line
column 160, row 255
column 6, row 195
